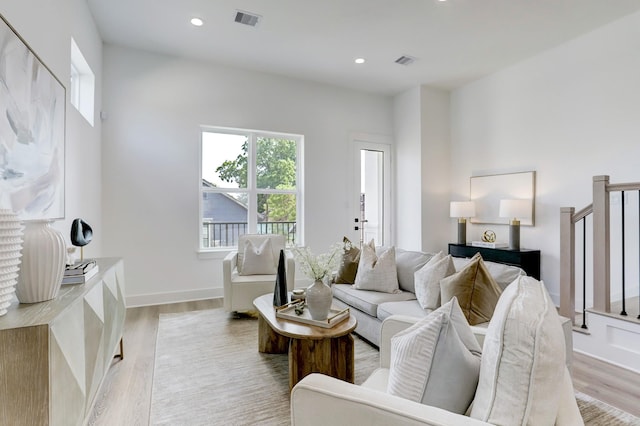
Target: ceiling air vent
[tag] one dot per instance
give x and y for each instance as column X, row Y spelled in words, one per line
column 247, row 18
column 405, row 60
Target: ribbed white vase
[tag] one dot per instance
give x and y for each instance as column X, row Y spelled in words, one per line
column 319, row 298
column 10, row 248
column 43, row 262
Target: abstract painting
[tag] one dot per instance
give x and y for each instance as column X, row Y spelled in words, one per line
column 32, row 131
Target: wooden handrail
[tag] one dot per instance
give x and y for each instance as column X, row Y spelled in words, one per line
column 577, row 217
column 612, row 187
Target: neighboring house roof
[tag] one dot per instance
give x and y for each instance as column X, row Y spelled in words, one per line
column 221, row 207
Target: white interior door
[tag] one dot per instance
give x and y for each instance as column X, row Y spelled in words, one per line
column 372, row 167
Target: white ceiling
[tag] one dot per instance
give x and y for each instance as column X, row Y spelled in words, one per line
column 455, row 41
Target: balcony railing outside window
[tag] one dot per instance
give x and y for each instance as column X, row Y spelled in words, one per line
column 216, row 234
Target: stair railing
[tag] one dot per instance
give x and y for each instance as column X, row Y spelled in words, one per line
column 600, row 258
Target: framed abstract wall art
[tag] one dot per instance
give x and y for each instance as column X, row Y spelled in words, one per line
column 32, row 131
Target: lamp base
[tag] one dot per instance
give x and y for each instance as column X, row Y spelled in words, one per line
column 462, row 232
column 514, row 235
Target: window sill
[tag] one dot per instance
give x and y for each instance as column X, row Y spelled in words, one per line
column 214, row 253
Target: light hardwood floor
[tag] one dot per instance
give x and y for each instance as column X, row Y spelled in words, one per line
column 125, row 397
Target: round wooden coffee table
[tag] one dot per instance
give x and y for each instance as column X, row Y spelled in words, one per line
column 311, row 349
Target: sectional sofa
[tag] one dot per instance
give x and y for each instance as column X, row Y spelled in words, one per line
column 371, row 308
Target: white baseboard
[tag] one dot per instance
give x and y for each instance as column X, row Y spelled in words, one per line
column 173, row 297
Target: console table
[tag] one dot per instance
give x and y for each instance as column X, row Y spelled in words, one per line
column 54, row 355
column 528, row 260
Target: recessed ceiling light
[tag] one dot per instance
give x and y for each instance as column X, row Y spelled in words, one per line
column 359, row 61
column 197, row 22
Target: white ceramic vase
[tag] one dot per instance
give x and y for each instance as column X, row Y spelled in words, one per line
column 319, row 297
column 43, row 261
column 10, row 248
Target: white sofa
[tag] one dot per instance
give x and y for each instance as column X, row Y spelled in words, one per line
column 322, row 400
column 371, row 308
column 241, row 290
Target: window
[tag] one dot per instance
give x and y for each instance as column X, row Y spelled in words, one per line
column 82, row 84
column 74, row 93
column 249, row 183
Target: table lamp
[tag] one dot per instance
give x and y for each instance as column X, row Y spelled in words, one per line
column 462, row 210
column 515, row 210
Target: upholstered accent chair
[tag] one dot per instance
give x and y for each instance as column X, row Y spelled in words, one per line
column 250, row 271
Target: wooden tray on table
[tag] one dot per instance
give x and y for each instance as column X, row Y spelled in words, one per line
column 288, row 312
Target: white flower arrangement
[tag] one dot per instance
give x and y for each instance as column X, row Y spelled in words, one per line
column 318, row 267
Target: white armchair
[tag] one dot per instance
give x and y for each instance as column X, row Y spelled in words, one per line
column 322, row 400
column 241, row 290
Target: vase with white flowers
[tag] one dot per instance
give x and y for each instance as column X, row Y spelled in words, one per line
column 319, row 268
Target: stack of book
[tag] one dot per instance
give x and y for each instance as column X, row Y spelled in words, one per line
column 80, row 272
column 488, row 245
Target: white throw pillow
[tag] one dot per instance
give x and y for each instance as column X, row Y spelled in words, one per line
column 258, row 261
column 427, row 280
column 436, row 361
column 523, row 359
column 377, row 273
column 407, row 263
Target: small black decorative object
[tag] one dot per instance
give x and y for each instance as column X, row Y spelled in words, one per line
column 81, row 235
column 280, row 293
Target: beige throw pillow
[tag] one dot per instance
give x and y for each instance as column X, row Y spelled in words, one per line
column 523, row 360
column 427, row 280
column 258, row 261
column 348, row 264
column 436, row 361
column 476, row 290
column 377, row 273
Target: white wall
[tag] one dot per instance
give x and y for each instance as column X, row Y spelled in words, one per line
column 408, row 184
column 421, row 119
column 48, row 27
column 155, row 105
column 434, row 163
column 569, row 114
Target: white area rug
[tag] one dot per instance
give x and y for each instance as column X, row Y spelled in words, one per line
column 208, row 371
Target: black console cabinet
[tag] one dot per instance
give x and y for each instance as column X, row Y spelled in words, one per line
column 529, row 260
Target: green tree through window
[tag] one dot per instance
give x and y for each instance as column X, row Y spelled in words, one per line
column 275, row 169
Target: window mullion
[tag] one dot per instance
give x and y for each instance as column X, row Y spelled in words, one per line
column 252, row 210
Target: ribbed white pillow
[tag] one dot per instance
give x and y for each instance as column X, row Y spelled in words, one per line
column 377, row 273
column 436, row 361
column 523, row 359
column 427, row 280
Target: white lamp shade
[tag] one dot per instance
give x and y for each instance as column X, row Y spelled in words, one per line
column 515, row 209
column 462, row 209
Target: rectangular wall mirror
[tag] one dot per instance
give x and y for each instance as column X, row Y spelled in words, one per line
column 487, row 191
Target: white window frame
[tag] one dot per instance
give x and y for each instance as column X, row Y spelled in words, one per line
column 74, row 92
column 252, row 191
column 82, row 84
